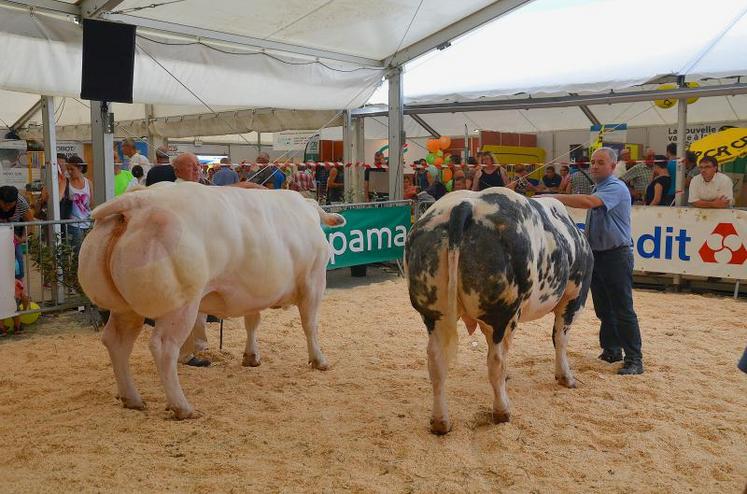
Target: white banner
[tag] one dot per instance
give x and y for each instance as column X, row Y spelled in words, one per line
column 700, row 242
column 287, row 141
column 696, row 132
column 7, row 273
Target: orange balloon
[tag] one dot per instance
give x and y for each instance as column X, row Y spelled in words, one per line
column 438, row 161
column 446, row 175
column 432, row 145
column 444, row 142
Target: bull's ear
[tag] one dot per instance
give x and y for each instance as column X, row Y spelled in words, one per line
column 331, row 219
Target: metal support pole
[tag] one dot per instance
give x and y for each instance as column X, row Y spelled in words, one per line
column 359, row 155
column 153, row 140
column 396, row 135
column 679, row 178
column 681, row 147
column 102, row 141
column 50, row 181
column 466, row 145
column 736, row 290
column 347, row 155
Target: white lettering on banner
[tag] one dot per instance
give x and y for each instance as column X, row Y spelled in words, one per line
column 360, row 242
column 700, row 242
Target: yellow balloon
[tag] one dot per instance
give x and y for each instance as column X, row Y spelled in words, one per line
column 670, row 102
column 30, row 318
column 25, row 318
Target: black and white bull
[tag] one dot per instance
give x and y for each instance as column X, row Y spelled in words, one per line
column 494, row 258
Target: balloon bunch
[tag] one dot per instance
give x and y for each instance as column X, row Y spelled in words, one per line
column 439, row 159
column 436, row 148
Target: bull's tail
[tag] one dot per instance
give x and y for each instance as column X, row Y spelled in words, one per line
column 458, row 219
column 329, row 219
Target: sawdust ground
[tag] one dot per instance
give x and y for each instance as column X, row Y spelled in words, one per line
column 363, row 425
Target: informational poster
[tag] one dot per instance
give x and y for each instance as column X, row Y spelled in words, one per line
column 291, row 141
column 311, row 151
column 14, row 169
column 612, row 132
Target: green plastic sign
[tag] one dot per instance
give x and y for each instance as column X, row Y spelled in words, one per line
column 370, row 235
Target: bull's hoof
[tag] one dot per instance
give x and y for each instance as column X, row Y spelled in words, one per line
column 320, row 364
column 184, row 413
column 132, row 404
column 501, row 417
column 251, row 360
column 566, row 381
column 440, row 427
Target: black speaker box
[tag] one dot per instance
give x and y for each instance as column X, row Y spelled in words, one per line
column 108, row 61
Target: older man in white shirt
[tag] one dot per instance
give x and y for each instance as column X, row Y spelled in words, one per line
column 711, row 189
column 134, row 157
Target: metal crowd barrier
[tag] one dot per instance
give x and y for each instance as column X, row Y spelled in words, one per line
column 49, row 251
column 333, row 208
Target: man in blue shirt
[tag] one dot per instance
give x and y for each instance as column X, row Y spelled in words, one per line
column 226, row 175
column 609, row 233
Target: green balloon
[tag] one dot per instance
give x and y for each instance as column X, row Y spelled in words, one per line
column 449, row 185
column 430, row 158
column 439, row 153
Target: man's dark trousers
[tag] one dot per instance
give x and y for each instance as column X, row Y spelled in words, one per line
column 612, row 292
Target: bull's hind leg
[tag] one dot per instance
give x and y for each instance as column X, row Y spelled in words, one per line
column 564, row 315
column 308, row 308
column 499, row 340
column 441, row 341
column 169, row 335
column 251, row 352
column 120, row 333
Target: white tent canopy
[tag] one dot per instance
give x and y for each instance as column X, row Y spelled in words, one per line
column 583, row 46
column 548, row 47
column 297, row 54
column 196, row 57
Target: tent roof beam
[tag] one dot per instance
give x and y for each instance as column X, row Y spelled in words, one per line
column 92, row 9
column 425, row 125
column 27, row 115
column 443, row 38
column 246, row 41
column 563, row 101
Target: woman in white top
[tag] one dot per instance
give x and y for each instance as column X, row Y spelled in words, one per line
column 80, row 194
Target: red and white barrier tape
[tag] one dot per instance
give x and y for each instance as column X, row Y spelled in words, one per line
column 561, row 163
column 318, row 164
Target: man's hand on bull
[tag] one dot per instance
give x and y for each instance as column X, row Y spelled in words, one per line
column 581, row 201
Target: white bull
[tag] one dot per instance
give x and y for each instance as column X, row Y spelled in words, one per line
column 168, row 252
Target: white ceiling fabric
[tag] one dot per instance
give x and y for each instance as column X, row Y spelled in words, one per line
column 549, row 47
column 218, row 78
column 582, row 46
column 371, row 29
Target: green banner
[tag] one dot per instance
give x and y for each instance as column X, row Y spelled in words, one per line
column 370, row 235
